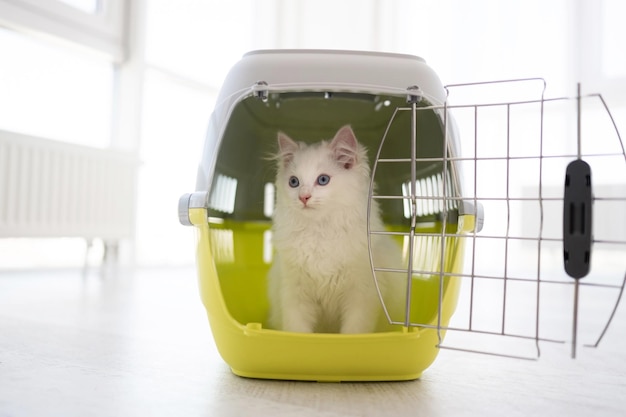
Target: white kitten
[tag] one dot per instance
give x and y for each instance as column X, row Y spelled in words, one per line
column 321, row 279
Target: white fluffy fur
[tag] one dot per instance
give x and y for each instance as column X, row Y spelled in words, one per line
column 321, row 280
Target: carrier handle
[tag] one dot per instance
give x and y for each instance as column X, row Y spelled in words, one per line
column 577, row 221
column 189, row 201
column 471, row 216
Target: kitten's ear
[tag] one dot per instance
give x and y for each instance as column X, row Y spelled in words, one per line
column 286, row 148
column 345, row 147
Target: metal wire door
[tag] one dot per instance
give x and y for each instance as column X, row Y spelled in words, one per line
column 521, row 163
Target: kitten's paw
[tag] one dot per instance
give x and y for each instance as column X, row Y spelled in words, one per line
column 359, row 320
column 298, row 328
column 295, row 324
column 357, row 326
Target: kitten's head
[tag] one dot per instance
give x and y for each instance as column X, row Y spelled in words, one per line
column 324, row 175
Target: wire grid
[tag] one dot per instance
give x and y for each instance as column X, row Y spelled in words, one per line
column 500, row 301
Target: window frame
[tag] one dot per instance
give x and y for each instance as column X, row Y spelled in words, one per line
column 104, row 31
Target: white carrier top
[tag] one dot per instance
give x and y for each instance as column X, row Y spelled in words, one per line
column 374, row 72
column 267, row 72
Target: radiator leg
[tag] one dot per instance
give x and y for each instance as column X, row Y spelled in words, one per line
column 110, row 254
column 89, row 246
column 110, row 257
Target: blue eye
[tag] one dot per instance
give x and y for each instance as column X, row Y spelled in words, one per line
column 294, row 181
column 323, row 179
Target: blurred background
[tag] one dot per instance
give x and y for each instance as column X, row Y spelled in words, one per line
column 136, row 80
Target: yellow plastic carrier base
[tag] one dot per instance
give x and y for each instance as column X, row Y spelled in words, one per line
column 234, row 297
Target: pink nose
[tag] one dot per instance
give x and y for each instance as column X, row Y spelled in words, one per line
column 305, row 198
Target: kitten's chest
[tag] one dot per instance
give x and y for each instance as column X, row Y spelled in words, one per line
column 326, row 250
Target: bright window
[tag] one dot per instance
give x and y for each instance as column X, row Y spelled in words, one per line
column 51, row 91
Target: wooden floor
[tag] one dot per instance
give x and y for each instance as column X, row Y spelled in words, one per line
column 138, row 344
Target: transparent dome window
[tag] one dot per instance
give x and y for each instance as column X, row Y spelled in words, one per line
column 241, row 197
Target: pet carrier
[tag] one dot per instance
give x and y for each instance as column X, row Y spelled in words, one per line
column 533, row 181
column 310, row 94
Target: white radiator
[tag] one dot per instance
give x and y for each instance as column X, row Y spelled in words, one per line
column 55, row 189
